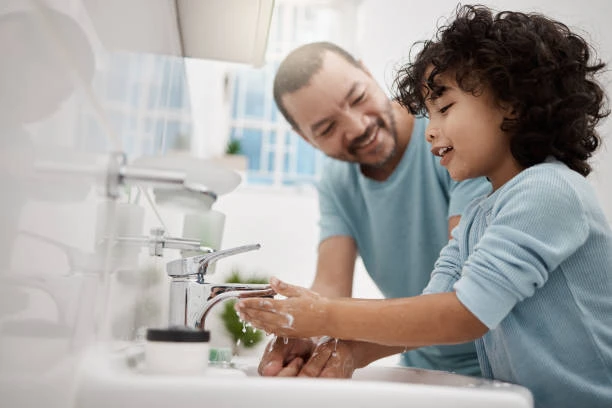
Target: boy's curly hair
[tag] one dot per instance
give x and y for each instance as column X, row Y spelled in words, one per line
column 529, row 61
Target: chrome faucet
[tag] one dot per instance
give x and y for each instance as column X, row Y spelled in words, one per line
column 192, row 297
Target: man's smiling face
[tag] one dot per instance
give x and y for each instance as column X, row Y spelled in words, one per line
column 343, row 112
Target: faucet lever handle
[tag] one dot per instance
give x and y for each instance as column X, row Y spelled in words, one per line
column 198, row 265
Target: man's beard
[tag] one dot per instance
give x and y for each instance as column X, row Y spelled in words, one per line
column 392, row 128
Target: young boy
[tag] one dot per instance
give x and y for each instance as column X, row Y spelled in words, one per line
column 528, row 272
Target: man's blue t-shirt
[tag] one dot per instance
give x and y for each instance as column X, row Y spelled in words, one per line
column 400, row 225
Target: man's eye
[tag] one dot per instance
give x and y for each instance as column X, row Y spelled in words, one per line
column 327, row 130
column 359, row 99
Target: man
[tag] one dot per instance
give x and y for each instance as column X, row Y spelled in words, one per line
column 383, row 196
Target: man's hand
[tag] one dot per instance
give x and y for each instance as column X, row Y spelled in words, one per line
column 284, row 357
column 303, row 358
column 330, row 359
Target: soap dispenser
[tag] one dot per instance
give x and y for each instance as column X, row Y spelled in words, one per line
column 177, row 351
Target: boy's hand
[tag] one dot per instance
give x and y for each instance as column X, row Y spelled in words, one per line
column 302, row 314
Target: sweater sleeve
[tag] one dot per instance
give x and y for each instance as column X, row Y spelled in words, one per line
column 447, row 269
column 463, row 192
column 533, row 227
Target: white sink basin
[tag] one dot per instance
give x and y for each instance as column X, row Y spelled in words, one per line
column 116, row 379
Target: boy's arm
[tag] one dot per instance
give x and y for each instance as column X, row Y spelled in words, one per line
column 407, row 322
column 410, row 322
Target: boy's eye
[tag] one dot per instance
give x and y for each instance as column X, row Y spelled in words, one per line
column 445, row 108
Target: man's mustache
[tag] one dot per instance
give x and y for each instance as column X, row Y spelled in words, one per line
column 365, row 135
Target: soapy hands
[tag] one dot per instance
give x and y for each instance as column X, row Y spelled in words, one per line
column 325, row 357
column 302, row 314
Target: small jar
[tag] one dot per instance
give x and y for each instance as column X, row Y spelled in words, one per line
column 177, row 350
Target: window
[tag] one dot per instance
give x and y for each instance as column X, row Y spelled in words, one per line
column 278, row 156
column 146, row 102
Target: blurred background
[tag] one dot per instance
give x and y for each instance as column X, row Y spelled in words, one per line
column 89, row 87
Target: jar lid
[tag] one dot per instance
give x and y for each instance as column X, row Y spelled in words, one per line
column 178, row 334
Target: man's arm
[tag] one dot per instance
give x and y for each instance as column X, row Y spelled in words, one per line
column 335, row 267
column 364, row 353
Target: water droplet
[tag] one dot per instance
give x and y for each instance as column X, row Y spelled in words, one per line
column 285, row 340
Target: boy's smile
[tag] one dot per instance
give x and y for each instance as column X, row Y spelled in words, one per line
column 443, row 152
column 465, row 132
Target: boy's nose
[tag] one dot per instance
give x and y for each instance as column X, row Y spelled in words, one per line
column 431, row 133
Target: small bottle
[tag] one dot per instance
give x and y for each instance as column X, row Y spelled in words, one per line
column 177, row 351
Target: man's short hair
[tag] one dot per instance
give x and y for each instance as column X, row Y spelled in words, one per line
column 296, row 70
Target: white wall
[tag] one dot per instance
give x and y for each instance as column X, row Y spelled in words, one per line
column 285, row 223
column 388, row 28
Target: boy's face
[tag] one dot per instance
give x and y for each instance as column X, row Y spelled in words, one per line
column 343, row 112
column 464, row 130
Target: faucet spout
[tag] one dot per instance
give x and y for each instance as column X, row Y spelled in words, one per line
column 192, row 296
column 221, row 292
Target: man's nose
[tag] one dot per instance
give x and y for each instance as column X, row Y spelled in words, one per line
column 355, row 125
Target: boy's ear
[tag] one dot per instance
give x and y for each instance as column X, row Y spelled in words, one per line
column 510, row 111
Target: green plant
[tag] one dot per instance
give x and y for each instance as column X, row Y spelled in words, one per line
column 239, row 333
column 233, row 147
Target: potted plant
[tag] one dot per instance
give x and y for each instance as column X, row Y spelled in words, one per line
column 233, row 157
column 233, row 147
column 243, row 337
